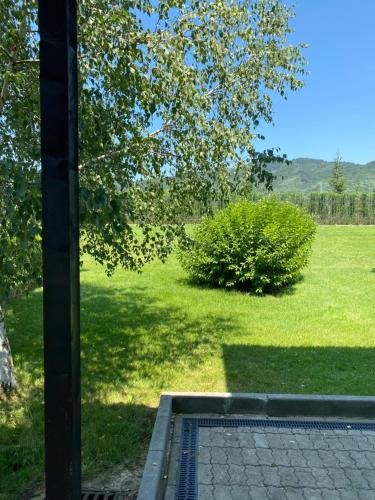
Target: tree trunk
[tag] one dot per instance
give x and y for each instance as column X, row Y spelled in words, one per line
column 7, row 377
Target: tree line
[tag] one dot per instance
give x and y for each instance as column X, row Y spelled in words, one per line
column 325, row 208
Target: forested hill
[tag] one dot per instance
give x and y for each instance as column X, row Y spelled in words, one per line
column 308, row 174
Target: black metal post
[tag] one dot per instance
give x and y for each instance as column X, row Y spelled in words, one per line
column 59, row 146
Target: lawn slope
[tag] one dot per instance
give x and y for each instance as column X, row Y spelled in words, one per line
column 152, row 332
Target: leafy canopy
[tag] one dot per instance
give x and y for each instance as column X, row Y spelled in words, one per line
column 171, row 94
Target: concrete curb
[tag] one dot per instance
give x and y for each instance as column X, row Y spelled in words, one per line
column 272, row 405
column 152, row 480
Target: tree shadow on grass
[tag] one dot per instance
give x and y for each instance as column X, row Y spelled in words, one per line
column 138, row 340
column 132, row 346
column 111, row 434
column 126, row 335
column 321, row 370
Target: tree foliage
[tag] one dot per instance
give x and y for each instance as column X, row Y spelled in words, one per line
column 337, row 181
column 171, row 94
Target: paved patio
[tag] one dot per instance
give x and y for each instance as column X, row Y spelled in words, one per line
column 272, row 463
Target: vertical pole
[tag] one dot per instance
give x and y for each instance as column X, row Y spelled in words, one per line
column 59, row 149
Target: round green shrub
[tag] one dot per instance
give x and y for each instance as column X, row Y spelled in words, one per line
column 256, row 247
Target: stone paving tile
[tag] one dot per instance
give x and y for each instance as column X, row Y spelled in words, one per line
column 365, row 495
column 322, row 478
column 206, row 492
column 206, row 474
column 271, row 477
column 250, row 456
column 261, row 440
column 258, row 493
column 234, row 456
column 264, row 463
column 204, row 455
column 292, row 493
column 220, row 474
column 291, row 464
column 281, row 457
column 344, row 459
column 370, row 457
column 222, row 492
column 219, row 455
column 254, row 475
column 237, row 475
column 265, row 456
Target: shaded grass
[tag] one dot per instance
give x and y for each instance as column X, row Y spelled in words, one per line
column 150, row 332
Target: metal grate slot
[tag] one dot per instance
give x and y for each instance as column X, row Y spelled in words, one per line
column 102, row 495
column 187, row 485
column 284, row 424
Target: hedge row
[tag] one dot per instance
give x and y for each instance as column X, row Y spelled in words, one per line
column 325, row 208
column 332, row 208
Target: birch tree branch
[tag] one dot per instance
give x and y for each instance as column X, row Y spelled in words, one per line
column 156, row 132
column 26, row 61
column 7, row 377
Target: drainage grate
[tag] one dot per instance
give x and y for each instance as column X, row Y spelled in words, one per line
column 285, row 424
column 187, row 485
column 102, row 495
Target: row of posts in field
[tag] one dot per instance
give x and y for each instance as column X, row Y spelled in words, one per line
column 325, row 208
column 332, row 208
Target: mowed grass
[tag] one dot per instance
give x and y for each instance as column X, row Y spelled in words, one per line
column 147, row 333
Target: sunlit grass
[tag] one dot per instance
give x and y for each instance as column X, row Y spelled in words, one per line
column 147, row 333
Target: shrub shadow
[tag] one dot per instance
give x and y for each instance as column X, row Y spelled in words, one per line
column 288, row 289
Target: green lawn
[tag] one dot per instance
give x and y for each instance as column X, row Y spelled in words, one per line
column 153, row 332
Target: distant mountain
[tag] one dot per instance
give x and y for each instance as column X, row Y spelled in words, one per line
column 308, row 174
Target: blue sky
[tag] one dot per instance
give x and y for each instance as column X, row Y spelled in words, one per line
column 336, row 109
